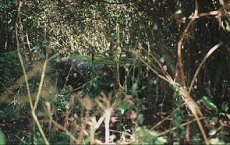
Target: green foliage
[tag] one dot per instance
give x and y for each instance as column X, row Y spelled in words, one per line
column 215, row 141
column 59, row 138
column 9, row 68
column 7, row 22
column 114, row 30
column 149, row 137
column 177, row 121
column 14, row 120
column 2, row 138
column 225, row 106
column 123, row 107
column 209, row 104
column 38, row 51
column 140, row 119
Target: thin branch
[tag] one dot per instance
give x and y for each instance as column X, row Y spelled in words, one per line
column 167, row 117
column 180, row 70
column 150, row 67
column 174, row 128
column 20, row 56
column 39, row 127
column 65, row 130
column 41, row 83
column 201, row 64
column 194, row 108
column 25, row 75
column 190, row 103
column 108, row 113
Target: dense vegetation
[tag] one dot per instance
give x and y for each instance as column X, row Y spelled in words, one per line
column 114, row 71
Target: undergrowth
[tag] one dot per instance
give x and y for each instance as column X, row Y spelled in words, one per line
column 130, row 96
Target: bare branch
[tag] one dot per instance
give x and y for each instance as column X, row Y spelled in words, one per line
column 201, row 64
column 180, row 70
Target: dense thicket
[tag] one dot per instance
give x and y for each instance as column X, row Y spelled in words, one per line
column 116, row 30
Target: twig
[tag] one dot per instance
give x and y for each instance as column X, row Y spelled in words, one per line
column 193, row 107
column 156, row 70
column 94, row 125
column 64, row 129
column 20, row 56
column 84, row 121
column 122, row 132
column 167, row 116
column 174, row 128
column 108, row 113
column 107, row 107
column 41, row 83
column 25, row 76
column 190, row 103
column 201, row 64
column 39, row 127
column 180, row 70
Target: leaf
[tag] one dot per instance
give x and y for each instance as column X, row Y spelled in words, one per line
column 140, row 119
column 225, row 106
column 39, row 140
column 134, row 89
column 212, row 132
column 123, row 107
column 215, row 141
column 86, row 141
column 2, row 138
column 208, row 104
